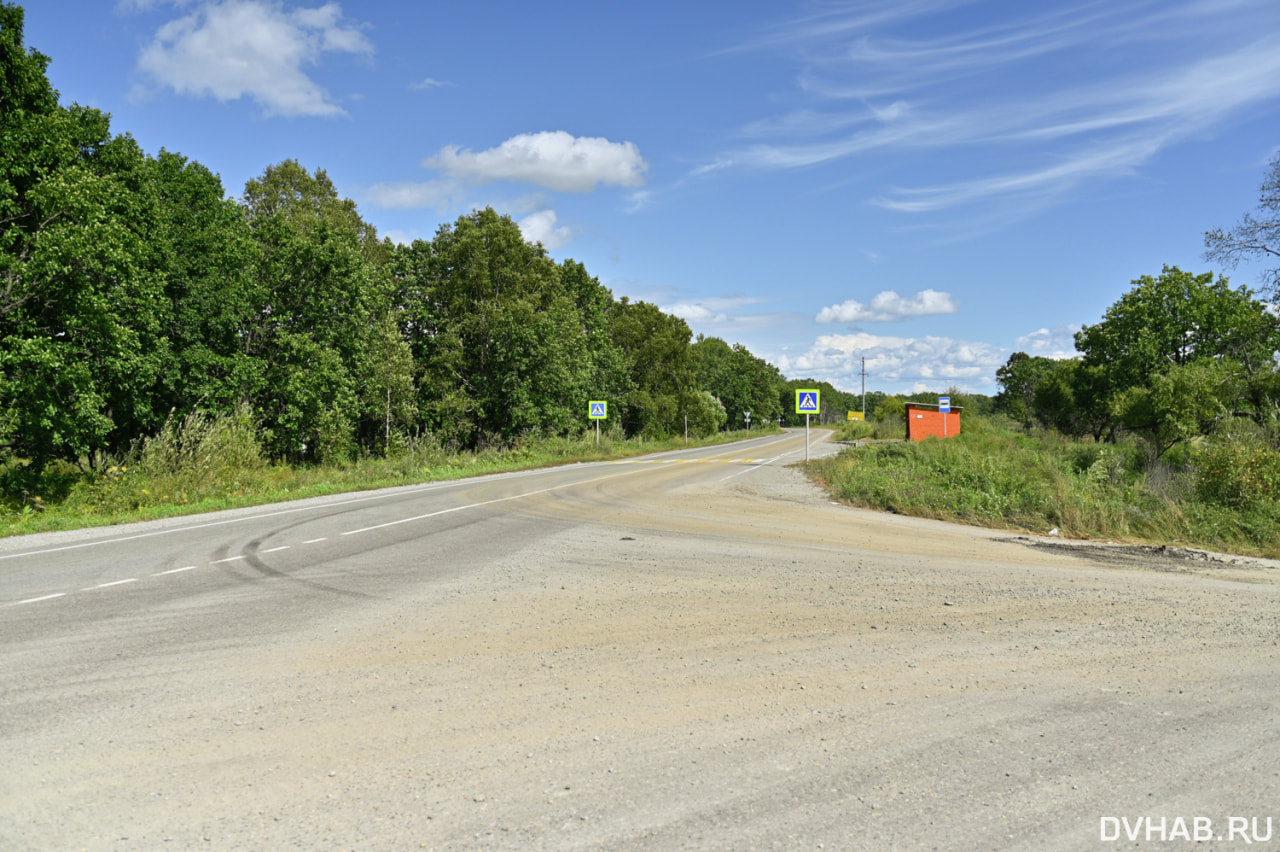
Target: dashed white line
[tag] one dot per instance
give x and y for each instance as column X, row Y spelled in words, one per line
column 365, row 529
column 433, row 486
column 488, row 502
column 42, row 598
column 756, row 463
column 109, row 585
column 175, row 571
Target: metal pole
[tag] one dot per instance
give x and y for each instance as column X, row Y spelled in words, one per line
column 806, row 436
column 597, row 433
column 864, row 388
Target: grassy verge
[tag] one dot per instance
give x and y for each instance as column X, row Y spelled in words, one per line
column 1003, row 478
column 209, row 465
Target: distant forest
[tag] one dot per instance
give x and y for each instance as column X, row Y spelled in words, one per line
column 134, row 292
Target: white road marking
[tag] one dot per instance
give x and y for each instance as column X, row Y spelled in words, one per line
column 489, row 502
column 434, row 486
column 431, row 486
column 755, row 464
column 108, row 585
column 175, row 571
column 37, row 600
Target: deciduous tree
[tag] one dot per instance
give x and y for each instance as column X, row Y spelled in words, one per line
column 1254, row 236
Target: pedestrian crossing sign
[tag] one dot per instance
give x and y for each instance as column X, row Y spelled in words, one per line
column 807, row 401
column 599, row 410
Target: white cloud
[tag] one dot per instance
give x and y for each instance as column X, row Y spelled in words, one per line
column 428, row 83
column 541, row 227
column 638, row 200
column 694, row 312
column 716, row 310
column 935, row 362
column 1057, row 342
column 888, row 306
column 410, row 195
column 402, row 238
column 551, row 159
column 238, row 48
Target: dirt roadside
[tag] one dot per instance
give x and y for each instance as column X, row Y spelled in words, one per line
column 731, row 664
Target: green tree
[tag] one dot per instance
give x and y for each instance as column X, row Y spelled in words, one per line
column 1018, row 378
column 608, row 375
column 660, row 365
column 1075, row 399
column 389, row 381
column 1182, row 403
column 1254, row 236
column 82, row 306
column 314, row 296
column 209, row 257
column 507, row 355
column 1175, row 319
column 706, row 415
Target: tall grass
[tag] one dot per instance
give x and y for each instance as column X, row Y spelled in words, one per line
column 205, row 463
column 995, row 475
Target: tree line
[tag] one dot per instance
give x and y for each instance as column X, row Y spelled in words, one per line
column 134, row 291
column 1178, row 357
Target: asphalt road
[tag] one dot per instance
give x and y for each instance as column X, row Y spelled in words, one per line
column 692, row 650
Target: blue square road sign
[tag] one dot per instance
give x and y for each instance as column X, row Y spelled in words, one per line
column 807, row 401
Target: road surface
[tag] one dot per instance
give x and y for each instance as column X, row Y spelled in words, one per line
column 697, row 650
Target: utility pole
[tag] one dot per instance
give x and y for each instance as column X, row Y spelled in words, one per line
column 864, row 388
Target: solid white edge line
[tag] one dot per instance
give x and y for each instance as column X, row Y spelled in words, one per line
column 434, row 486
column 426, row 487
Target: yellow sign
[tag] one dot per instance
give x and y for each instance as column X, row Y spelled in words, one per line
column 855, row 415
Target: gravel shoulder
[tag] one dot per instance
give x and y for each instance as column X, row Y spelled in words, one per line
column 693, row 663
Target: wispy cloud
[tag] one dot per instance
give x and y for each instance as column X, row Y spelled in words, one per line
column 429, row 83
column 250, row 48
column 414, row 195
column 1047, row 94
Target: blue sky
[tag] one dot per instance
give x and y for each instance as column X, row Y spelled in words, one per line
column 929, row 184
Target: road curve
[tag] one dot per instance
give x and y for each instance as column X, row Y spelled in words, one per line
column 690, row 650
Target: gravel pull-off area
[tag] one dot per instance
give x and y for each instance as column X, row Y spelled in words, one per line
column 691, row 662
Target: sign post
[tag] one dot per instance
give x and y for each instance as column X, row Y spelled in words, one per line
column 807, row 402
column 747, row 415
column 597, row 410
column 944, row 408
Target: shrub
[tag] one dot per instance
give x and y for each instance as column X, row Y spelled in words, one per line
column 1235, row 474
